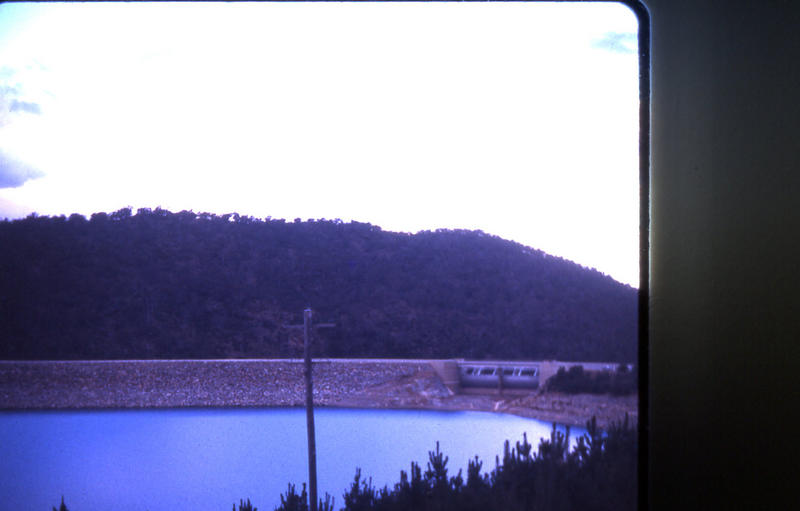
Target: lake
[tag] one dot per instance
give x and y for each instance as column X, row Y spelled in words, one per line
column 207, row 459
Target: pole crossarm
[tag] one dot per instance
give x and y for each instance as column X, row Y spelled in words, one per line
column 318, row 325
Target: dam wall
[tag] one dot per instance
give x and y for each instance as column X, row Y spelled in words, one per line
column 203, row 383
column 383, row 384
column 252, row 382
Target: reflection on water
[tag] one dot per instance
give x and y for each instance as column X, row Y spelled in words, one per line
column 207, row 459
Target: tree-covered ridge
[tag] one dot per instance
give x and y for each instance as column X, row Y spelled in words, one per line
column 162, row 284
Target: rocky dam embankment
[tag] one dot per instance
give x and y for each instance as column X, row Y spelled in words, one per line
column 32, row 385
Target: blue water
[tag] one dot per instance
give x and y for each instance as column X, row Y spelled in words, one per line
column 207, row 459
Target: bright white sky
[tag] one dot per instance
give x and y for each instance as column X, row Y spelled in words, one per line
column 519, row 119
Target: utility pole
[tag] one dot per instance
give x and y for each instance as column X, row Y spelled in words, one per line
column 312, row 443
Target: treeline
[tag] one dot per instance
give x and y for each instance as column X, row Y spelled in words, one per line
column 598, row 474
column 577, row 381
column 158, row 284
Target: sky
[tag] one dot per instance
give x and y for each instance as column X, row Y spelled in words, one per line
column 516, row 118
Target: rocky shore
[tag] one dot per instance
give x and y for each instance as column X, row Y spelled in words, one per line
column 268, row 383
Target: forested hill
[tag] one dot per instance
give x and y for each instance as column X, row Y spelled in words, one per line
column 166, row 285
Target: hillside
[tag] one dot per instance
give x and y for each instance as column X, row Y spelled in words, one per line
column 170, row 285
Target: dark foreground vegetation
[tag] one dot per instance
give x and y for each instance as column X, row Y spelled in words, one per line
column 577, row 381
column 157, row 284
column 599, row 474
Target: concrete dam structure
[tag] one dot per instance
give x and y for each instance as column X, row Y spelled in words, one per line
column 479, row 376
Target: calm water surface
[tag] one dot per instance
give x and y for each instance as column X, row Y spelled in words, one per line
column 207, row 459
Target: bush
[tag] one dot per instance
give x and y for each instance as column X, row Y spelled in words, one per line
column 245, row 506
column 577, row 381
column 62, row 507
column 292, row 501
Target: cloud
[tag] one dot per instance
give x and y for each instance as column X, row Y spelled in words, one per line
column 618, row 42
column 14, row 173
column 25, row 106
column 17, row 95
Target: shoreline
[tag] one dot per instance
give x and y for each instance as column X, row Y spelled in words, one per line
column 370, row 384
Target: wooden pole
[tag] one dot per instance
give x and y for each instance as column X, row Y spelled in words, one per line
column 312, row 447
column 499, row 380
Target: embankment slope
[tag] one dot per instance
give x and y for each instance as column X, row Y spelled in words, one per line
column 29, row 385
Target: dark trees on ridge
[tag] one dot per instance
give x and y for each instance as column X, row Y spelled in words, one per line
column 158, row 284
